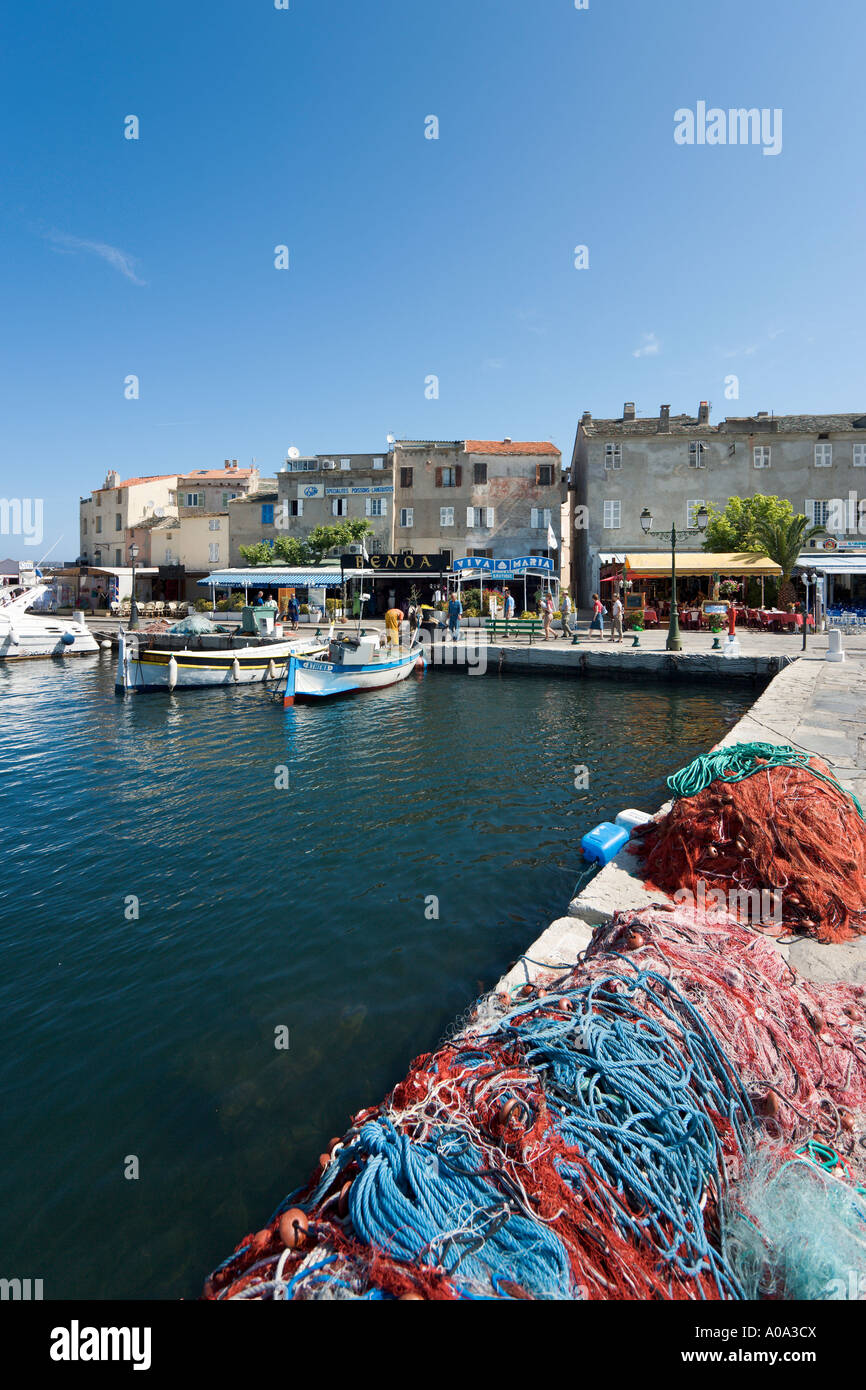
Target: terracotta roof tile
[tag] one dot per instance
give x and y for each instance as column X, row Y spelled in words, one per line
column 133, row 482
column 500, row 446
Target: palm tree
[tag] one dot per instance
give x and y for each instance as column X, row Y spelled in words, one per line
column 783, row 541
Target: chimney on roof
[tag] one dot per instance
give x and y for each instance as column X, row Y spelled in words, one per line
column 628, row 411
column 762, row 415
column 226, row 463
column 586, row 418
column 234, row 463
column 508, row 439
column 664, row 420
column 704, row 413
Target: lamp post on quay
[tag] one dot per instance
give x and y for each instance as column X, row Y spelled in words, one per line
column 674, row 642
column 133, row 606
column 808, row 579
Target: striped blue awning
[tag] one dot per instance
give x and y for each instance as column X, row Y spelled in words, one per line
column 263, row 576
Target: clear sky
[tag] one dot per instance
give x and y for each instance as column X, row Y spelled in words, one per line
column 411, row 257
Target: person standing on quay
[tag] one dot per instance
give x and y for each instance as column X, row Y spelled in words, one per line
column 293, row 613
column 393, row 619
column 455, row 611
column 616, row 621
column 565, row 610
column 547, row 615
column 597, row 624
column 507, row 603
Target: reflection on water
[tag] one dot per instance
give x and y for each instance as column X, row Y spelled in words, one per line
column 259, row 908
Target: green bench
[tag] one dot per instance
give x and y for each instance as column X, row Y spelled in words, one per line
column 513, row 627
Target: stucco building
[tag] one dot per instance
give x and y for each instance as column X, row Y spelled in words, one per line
column 494, row 498
column 673, row 464
column 318, row 490
column 107, row 516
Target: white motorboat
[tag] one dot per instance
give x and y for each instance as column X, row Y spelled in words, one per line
column 184, row 660
column 361, row 661
column 24, row 634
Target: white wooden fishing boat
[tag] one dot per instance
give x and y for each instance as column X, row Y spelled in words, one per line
column 169, row 661
column 24, row 634
column 360, row 661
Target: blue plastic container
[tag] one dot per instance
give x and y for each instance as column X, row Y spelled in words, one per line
column 606, row 840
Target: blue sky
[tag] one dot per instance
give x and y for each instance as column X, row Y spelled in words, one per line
column 411, row 257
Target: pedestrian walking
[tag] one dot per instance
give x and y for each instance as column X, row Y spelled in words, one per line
column 547, row 615
column 455, row 611
column 598, row 612
column 616, row 621
column 293, row 613
column 507, row 603
column 565, row 610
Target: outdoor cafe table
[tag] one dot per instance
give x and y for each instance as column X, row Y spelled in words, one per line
column 778, row 620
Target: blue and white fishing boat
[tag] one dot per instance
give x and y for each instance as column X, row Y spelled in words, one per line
column 356, row 661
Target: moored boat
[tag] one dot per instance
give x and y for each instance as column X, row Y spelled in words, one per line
column 25, row 634
column 184, row 660
column 360, row 661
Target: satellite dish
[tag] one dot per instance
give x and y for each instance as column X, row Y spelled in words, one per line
column 160, row 511
column 293, row 453
column 389, row 438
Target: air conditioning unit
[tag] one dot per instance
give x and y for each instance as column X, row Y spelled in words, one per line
column 355, row 550
column 328, row 463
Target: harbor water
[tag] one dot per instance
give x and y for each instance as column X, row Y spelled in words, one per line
column 190, row 879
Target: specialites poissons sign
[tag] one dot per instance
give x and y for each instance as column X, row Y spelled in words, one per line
column 398, row 564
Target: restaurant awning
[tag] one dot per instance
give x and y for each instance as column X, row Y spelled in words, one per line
column 266, row 576
column 657, row 564
column 832, row 563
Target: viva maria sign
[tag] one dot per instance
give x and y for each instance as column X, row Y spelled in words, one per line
column 520, row 565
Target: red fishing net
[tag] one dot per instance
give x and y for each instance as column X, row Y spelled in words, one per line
column 782, row 831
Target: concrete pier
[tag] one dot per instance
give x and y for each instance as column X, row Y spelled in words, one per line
column 816, row 705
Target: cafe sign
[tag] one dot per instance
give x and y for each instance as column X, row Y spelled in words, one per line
column 396, row 564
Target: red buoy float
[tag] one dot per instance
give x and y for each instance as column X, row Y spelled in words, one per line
column 293, row 1227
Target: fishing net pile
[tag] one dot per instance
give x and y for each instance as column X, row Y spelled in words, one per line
column 585, row 1142
column 759, row 818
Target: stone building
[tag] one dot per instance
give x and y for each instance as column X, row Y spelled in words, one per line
column 318, row 490
column 498, row 499
column 673, row 464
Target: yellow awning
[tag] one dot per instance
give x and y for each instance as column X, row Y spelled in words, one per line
column 657, row 564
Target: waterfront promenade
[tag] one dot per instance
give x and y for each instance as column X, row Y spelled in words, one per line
column 816, row 705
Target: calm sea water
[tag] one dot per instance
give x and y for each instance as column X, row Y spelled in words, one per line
column 302, row 907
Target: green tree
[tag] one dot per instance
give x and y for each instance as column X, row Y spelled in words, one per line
column 783, row 540
column 292, row 550
column 737, row 527
column 325, row 538
column 306, row 550
column 260, row 554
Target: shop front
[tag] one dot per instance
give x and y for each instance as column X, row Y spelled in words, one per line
column 843, row 570
column 702, row 576
column 525, row 576
column 395, row 580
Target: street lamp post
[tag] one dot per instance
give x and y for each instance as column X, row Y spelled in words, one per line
column 133, row 606
column 674, row 642
column 807, row 580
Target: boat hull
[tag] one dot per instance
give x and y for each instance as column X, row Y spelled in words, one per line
column 309, row 679
column 24, row 642
column 165, row 670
